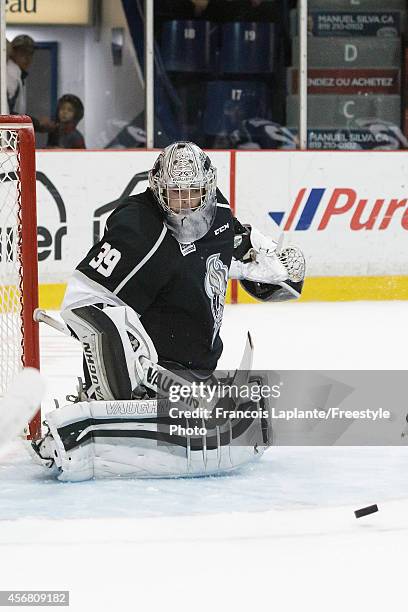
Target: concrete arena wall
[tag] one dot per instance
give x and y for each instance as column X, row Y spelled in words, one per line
column 346, row 210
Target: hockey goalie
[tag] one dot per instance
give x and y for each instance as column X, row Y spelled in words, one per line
column 147, row 303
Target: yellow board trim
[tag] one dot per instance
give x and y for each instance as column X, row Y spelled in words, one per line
column 345, row 289
column 51, row 296
column 316, row 289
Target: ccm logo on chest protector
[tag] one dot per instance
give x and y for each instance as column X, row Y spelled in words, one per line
column 221, row 229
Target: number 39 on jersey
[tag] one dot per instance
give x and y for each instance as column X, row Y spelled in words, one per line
column 106, row 260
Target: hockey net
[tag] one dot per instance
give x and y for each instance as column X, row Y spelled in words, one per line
column 19, row 341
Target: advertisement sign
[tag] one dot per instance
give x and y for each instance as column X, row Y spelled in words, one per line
column 58, row 12
column 373, row 135
column 349, row 23
column 347, row 211
column 354, row 22
column 348, row 81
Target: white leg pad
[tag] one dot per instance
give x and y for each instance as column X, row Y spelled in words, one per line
column 88, row 444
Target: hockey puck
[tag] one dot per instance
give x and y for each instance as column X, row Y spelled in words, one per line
column 365, row 511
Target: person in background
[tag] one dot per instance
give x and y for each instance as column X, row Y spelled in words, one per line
column 248, row 10
column 218, row 10
column 65, row 135
column 20, row 56
column 186, row 9
column 200, row 7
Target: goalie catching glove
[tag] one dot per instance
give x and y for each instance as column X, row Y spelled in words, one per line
column 264, row 273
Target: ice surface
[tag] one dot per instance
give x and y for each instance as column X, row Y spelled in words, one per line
column 280, row 534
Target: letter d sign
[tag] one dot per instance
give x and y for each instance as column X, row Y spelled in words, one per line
column 350, row 53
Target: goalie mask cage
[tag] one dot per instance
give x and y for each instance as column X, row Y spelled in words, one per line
column 19, row 335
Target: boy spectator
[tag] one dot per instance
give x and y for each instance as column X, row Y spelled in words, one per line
column 65, row 135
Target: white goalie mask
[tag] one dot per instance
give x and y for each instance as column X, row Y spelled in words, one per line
column 184, row 183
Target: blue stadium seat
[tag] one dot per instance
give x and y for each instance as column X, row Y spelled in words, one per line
column 230, row 102
column 247, row 47
column 186, row 46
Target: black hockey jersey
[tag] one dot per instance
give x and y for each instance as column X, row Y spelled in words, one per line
column 178, row 290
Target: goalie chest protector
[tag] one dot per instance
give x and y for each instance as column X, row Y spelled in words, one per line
column 178, row 290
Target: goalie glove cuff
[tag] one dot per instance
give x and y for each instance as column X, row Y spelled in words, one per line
column 262, row 245
column 265, row 269
column 250, row 242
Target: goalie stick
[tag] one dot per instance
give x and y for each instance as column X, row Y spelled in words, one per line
column 20, row 404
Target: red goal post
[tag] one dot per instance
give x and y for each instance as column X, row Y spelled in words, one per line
column 19, row 333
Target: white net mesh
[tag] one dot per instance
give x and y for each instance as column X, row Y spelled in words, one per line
column 11, row 328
